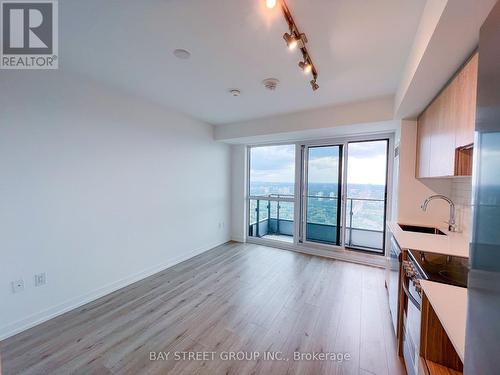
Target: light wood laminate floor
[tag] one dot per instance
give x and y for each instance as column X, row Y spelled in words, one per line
column 233, row 298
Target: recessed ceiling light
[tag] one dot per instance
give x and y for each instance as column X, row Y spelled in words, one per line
column 182, row 54
column 271, row 83
column 235, row 92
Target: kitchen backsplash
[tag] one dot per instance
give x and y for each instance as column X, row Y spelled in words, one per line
column 461, row 191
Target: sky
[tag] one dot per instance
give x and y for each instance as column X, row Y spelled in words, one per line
column 366, row 163
column 272, row 164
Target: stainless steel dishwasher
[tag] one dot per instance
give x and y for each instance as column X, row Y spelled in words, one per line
column 394, row 287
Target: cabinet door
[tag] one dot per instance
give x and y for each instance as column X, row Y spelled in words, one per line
column 423, row 145
column 465, row 103
column 436, row 135
column 443, row 134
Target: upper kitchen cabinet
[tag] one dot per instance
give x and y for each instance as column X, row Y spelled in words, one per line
column 446, row 128
column 424, row 142
column 465, row 103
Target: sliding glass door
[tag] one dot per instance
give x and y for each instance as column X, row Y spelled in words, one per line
column 322, row 189
column 272, row 193
column 338, row 197
column 366, row 195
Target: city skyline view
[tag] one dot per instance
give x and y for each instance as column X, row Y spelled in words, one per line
column 366, row 163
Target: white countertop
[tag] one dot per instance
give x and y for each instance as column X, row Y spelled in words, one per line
column 455, row 244
column 450, row 305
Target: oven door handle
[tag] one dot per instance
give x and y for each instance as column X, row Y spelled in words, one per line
column 410, row 297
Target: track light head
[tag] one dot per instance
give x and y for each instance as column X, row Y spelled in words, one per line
column 305, row 66
column 314, row 85
column 270, row 3
column 291, row 40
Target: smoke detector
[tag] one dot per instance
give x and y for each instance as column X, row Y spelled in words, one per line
column 182, row 54
column 235, row 92
column 271, row 83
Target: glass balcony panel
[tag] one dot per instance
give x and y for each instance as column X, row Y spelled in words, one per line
column 322, row 219
column 365, row 224
column 271, row 220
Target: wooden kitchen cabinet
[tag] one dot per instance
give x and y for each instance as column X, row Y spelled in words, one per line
column 445, row 130
column 437, row 352
column 424, row 144
column 466, row 95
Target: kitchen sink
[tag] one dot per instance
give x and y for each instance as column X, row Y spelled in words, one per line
column 418, row 229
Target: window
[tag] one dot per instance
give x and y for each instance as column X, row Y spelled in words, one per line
column 272, row 170
column 366, row 195
column 342, row 193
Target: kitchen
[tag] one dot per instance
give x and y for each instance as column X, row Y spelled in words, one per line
column 430, row 276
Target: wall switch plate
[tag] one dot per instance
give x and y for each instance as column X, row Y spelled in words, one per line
column 40, row 279
column 17, row 286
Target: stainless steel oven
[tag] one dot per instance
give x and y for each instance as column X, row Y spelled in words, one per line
column 411, row 316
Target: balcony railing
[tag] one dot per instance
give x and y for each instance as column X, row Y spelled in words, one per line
column 362, row 231
column 365, row 221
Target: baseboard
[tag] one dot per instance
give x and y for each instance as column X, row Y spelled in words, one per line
column 38, row 318
column 238, row 239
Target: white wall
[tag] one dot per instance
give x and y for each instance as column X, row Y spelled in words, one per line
column 395, row 175
column 429, row 20
column 98, row 189
column 373, row 115
column 238, row 193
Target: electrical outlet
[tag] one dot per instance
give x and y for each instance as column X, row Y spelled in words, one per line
column 17, row 286
column 40, row 279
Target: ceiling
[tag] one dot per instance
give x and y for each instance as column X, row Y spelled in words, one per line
column 359, row 47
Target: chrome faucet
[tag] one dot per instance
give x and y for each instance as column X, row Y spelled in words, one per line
column 451, row 223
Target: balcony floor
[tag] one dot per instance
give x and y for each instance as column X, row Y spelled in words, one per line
column 278, row 237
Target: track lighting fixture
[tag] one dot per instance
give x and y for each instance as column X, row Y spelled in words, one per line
column 295, row 39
